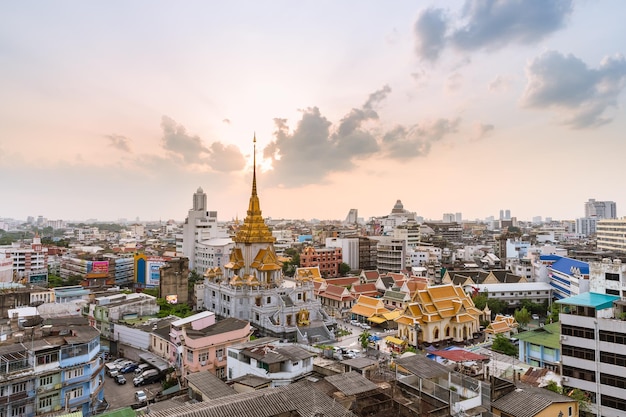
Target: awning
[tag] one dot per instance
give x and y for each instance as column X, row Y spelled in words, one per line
column 395, row 340
column 377, row 319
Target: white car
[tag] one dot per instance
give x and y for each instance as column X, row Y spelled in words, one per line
column 365, row 326
column 535, row 316
column 141, row 396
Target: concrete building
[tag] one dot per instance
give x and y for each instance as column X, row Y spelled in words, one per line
column 251, row 286
column 568, row 277
column 593, row 334
column 611, row 235
column 174, row 281
column 29, row 261
column 600, row 209
column 212, row 253
column 391, row 254
column 281, row 363
column 327, row 259
column 51, row 366
column 608, row 277
column 349, row 249
column 200, row 225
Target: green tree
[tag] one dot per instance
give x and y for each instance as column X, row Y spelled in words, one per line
column 289, row 267
column 580, row 396
column 554, row 313
column 480, row 300
column 522, row 317
column 497, row 305
column 533, row 308
column 503, row 345
column 364, row 339
column 554, row 387
column 344, row 269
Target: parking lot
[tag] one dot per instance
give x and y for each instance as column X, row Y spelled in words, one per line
column 119, row 396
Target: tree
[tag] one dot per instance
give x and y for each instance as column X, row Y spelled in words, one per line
column 503, row 345
column 497, row 305
column 533, row 308
column 289, row 266
column 344, row 269
column 364, row 339
column 522, row 317
column 480, row 301
column 580, row 396
column 554, row 387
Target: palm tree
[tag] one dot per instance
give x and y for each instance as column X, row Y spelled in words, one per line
column 364, row 339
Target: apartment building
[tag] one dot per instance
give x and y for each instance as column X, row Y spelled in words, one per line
column 327, row 259
column 593, row 336
column 29, row 261
column 50, row 367
column 611, row 235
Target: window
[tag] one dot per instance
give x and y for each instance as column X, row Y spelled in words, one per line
column 203, row 357
column 19, row 387
column 18, row 411
column 47, row 358
column 74, row 373
column 46, row 401
column 76, row 393
column 613, row 358
column 580, row 353
column 219, row 353
column 269, row 300
column 611, row 277
column 257, row 301
column 45, row 380
column 190, row 355
column 576, row 331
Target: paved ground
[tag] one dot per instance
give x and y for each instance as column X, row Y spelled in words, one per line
column 119, row 396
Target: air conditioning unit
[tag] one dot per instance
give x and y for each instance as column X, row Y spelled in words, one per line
column 220, row 358
column 564, row 379
column 57, row 386
column 202, row 363
column 563, row 337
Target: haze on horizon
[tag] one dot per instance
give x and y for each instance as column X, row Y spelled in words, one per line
column 123, row 109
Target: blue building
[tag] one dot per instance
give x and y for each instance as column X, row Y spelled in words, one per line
column 51, row 366
column 568, row 277
column 541, row 347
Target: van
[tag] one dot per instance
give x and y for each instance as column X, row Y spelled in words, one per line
column 147, row 375
column 141, row 368
column 110, row 368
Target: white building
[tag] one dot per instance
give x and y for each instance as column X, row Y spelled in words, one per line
column 593, row 335
column 27, row 259
column 608, row 277
column 200, row 225
column 611, row 234
column 600, row 209
column 282, row 363
column 586, row 226
column 349, row 249
column 212, row 253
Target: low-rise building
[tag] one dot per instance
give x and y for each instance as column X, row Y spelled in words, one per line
column 282, row 363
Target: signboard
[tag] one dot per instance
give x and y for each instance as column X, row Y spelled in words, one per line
column 172, row 299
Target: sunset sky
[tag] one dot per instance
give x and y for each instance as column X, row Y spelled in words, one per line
column 122, row 109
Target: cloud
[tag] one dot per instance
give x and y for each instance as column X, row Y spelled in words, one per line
column 430, row 33
column 480, row 131
column 493, row 24
column 499, row 84
column 404, row 143
column 226, row 158
column 179, row 143
column 453, row 82
column 312, row 151
column 226, row 121
column 119, row 142
column 583, row 94
column 488, row 24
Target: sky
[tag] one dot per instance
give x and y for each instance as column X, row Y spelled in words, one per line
column 122, row 109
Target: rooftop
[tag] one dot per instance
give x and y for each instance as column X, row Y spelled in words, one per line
column 590, row 299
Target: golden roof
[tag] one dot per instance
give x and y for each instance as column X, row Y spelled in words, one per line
column 266, row 260
column 254, row 229
column 235, row 260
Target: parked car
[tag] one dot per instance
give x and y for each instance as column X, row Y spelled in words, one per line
column 365, row 326
column 129, row 367
column 141, row 396
column 147, row 377
column 535, row 316
column 120, row 379
column 141, row 368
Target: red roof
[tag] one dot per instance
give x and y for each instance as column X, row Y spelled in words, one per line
column 460, row 355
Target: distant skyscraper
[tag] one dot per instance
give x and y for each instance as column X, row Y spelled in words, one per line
column 501, row 214
column 600, row 209
column 200, row 225
column 458, row 217
column 448, row 217
column 507, row 214
column 352, row 217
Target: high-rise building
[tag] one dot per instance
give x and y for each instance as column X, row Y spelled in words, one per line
column 611, row 234
column 600, row 209
column 200, row 225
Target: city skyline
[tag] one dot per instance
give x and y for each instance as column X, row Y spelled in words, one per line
column 122, row 110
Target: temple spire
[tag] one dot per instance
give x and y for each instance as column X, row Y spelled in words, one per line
column 254, row 229
column 254, row 167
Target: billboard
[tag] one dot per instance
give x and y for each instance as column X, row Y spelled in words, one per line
column 153, row 276
column 171, row 299
column 100, row 267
